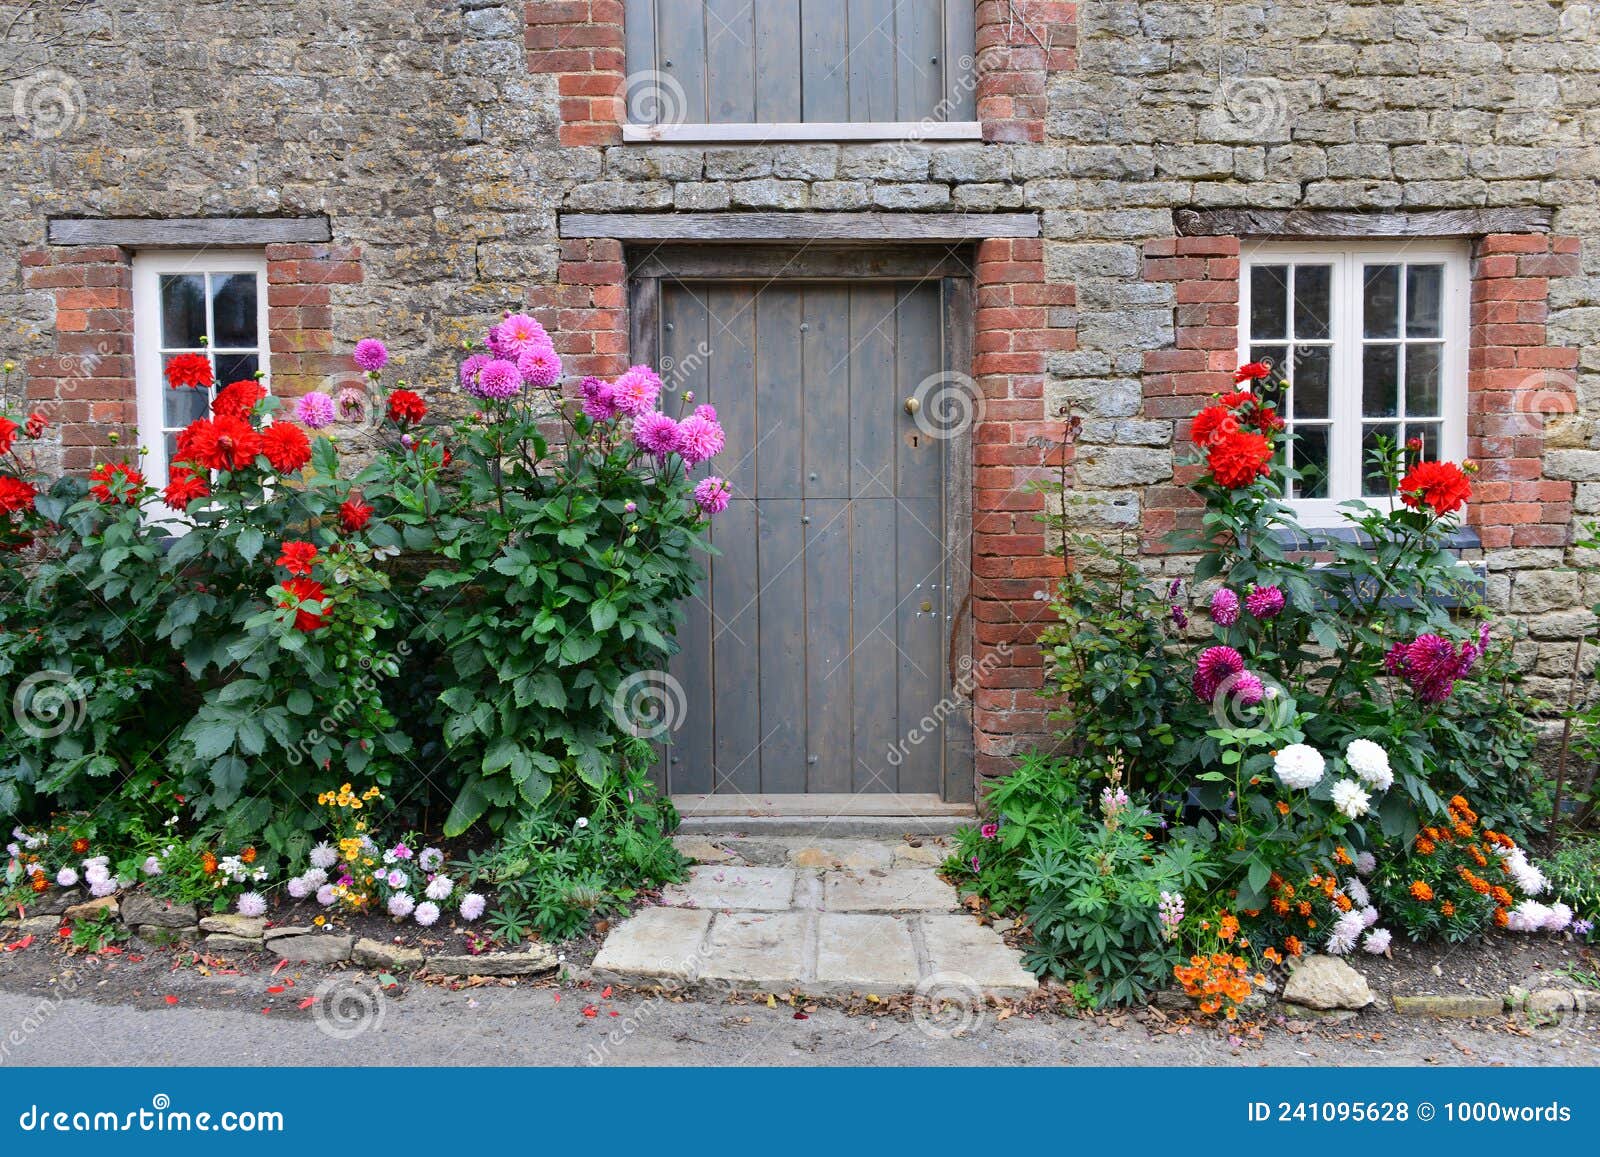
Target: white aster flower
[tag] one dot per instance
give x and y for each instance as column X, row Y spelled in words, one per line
column 96, row 874
column 1366, row 863
column 299, row 888
column 583, row 821
column 401, row 905
column 316, row 877
column 326, row 896
column 1528, row 916
column 396, row 879
column 1357, row 891
column 1369, row 916
column 324, row 856
column 1299, row 766
column 1560, row 917
column 66, row 877
column 152, row 866
column 1370, row 763
column 430, row 859
column 427, row 913
column 1350, row 799
column 99, row 888
column 252, row 904
column 1339, row 942
column 472, row 906
column 1377, row 941
column 440, row 887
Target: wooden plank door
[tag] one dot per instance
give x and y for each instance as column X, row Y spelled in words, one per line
column 817, row 648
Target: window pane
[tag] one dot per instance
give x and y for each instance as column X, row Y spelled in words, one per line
column 1312, row 287
column 183, row 405
column 1313, row 371
column 1269, row 302
column 1311, row 459
column 1371, row 481
column 172, row 447
column 1424, row 300
column 1278, row 355
column 1429, row 433
column 183, row 310
column 1381, row 300
column 233, row 309
column 1380, row 381
column 235, row 368
column 1422, row 380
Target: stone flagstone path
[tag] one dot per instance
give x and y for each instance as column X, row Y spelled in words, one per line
column 826, row 917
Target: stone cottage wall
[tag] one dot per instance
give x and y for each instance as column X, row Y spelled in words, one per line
column 443, row 137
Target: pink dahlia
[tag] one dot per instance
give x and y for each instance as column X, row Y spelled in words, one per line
column 470, row 369
column 540, row 366
column 636, row 391
column 1431, row 664
column 656, row 433
column 1264, row 602
column 712, row 494
column 314, row 410
column 1215, row 665
column 1247, row 688
column 599, row 399
column 700, row 438
column 371, row 354
column 516, row 335
column 1224, row 607
column 497, row 380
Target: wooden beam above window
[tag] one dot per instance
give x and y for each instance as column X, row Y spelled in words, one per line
column 799, row 226
column 747, row 133
column 1335, row 224
column 187, row 232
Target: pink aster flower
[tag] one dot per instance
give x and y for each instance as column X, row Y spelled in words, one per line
column 656, row 433
column 637, row 391
column 252, row 904
column 1215, row 665
column 540, row 366
column 427, row 913
column 517, row 335
column 371, row 354
column 472, row 906
column 314, row 410
column 599, row 399
column 1224, row 607
column 401, row 905
column 700, row 438
column 498, row 380
column 1264, row 602
column 712, row 494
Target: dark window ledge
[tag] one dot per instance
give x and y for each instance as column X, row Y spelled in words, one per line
column 1464, row 538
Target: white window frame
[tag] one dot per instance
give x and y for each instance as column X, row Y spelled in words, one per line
column 1345, row 457
column 148, row 268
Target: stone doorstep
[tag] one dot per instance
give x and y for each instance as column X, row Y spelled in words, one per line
column 823, row 854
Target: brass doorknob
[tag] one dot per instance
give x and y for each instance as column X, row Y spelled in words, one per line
column 912, row 405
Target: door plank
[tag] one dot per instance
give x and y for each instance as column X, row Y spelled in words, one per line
column 874, row 405
column 681, row 48
column 876, row 730
column 960, row 55
column 872, row 60
column 829, row 754
column 730, row 61
column 780, row 544
column 736, row 647
column 639, row 42
column 780, row 398
column 920, row 576
column 824, row 67
column 919, row 361
column 777, row 62
column 730, row 382
column 825, row 355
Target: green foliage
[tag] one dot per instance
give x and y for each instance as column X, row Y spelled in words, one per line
column 1574, row 874
column 1024, row 805
column 585, row 854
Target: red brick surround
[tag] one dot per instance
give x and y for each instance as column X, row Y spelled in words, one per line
column 1019, row 42
column 85, row 384
column 580, row 43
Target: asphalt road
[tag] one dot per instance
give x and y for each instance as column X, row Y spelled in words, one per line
column 529, row 1026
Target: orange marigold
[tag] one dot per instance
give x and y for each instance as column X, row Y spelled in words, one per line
column 1421, row 891
column 1342, row 902
column 1447, row 908
column 1292, row 945
column 1501, row 920
column 208, row 863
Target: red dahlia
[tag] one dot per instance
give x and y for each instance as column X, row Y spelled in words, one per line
column 406, row 407
column 116, row 482
column 354, row 515
column 183, row 488
column 297, row 557
column 1441, row 486
column 286, row 447
column 1211, row 423
column 190, row 371
column 1253, row 371
column 220, row 443
column 8, row 434
column 15, row 494
column 304, row 590
column 37, row 424
column 1239, row 458
column 238, row 400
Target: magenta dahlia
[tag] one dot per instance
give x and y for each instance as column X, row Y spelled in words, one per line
column 1215, row 665
column 498, row 380
column 1264, row 602
column 1224, row 607
column 636, row 391
column 540, row 366
column 700, row 438
column 656, row 433
column 599, row 400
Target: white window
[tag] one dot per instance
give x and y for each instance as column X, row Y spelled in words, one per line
column 1373, row 341
column 211, row 303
